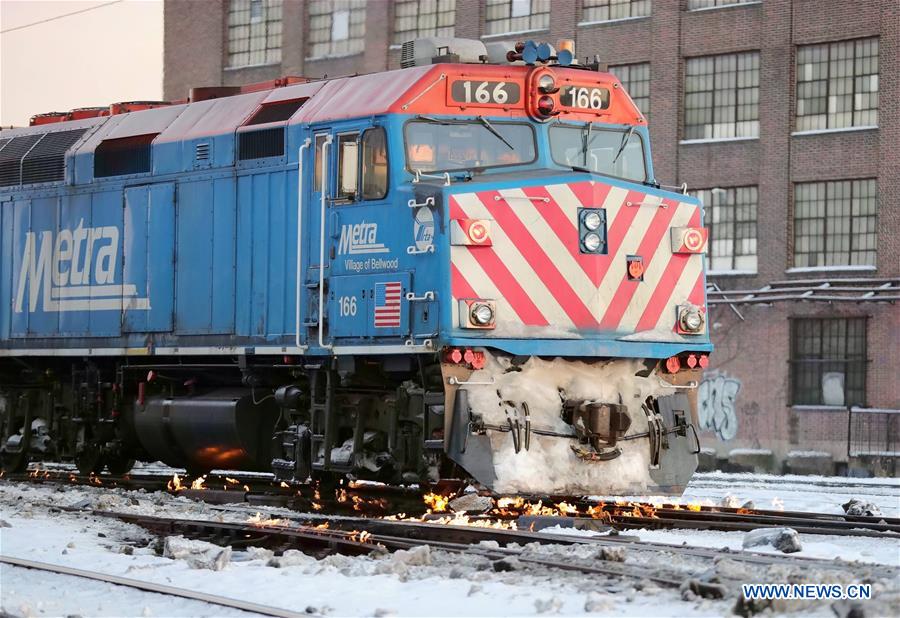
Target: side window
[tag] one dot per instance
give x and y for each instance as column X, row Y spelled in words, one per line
column 348, row 166
column 374, row 164
column 317, row 182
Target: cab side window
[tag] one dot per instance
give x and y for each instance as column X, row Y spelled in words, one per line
column 348, row 166
column 320, row 141
column 374, row 164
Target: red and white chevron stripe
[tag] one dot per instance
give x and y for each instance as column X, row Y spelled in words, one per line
column 539, row 278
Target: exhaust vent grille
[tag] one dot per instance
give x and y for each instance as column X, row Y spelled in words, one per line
column 260, row 144
column 47, row 160
column 125, row 155
column 201, row 152
column 408, row 55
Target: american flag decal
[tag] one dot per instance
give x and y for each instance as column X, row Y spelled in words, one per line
column 387, row 304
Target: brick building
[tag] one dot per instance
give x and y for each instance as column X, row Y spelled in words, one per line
column 784, row 115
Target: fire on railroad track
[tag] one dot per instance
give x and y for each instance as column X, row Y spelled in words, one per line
column 510, row 513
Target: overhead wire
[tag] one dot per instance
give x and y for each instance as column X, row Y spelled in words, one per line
column 44, row 21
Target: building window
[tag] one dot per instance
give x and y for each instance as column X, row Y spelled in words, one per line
column 605, row 10
column 336, row 27
column 721, row 96
column 505, row 16
column 414, row 19
column 730, row 216
column 828, row 361
column 835, row 223
column 693, row 5
column 254, row 32
column 837, row 85
column 636, row 79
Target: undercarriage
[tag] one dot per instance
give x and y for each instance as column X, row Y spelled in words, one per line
column 522, row 425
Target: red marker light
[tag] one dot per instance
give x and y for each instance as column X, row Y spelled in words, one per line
column 151, row 375
column 469, row 356
column 545, row 105
column 673, row 364
column 478, row 232
column 455, row 355
column 478, row 361
column 704, row 361
column 635, row 268
column 692, row 361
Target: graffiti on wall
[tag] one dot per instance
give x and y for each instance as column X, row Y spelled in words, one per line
column 717, row 398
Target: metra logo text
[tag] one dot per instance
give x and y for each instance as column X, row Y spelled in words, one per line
column 75, row 271
column 359, row 238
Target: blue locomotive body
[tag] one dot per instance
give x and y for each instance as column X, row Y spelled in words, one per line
column 311, row 232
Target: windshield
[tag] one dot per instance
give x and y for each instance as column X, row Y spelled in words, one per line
column 439, row 146
column 613, row 153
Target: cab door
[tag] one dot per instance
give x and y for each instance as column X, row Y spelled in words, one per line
column 364, row 286
column 313, row 226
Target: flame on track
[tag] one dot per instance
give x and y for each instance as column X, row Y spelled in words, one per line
column 259, row 520
column 436, row 502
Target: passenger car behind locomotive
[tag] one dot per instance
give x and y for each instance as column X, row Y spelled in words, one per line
column 453, row 270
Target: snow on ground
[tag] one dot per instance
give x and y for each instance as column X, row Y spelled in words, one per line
column 36, row 593
column 851, row 549
column 422, row 582
column 818, row 494
column 413, row 583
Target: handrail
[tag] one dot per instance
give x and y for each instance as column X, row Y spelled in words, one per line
column 325, row 145
column 305, row 145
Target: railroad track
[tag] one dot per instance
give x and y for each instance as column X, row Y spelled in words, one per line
column 639, row 515
column 322, row 534
column 374, row 500
column 164, row 589
column 254, row 489
column 361, row 536
column 364, row 535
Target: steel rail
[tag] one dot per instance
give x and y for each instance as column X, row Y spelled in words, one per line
column 185, row 593
column 351, row 542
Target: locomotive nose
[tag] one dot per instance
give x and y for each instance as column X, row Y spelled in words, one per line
column 577, row 258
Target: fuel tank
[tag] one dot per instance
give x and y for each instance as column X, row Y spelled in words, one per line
column 220, row 429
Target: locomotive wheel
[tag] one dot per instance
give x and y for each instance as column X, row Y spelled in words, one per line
column 118, row 463
column 14, row 462
column 89, row 458
column 18, row 461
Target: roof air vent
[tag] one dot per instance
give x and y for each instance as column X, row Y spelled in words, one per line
column 46, row 162
column 437, row 49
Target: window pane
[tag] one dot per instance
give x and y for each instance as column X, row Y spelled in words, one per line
column 336, row 27
column 708, row 4
column 721, row 96
column 604, row 10
column 835, row 223
column 502, row 16
column 254, row 32
column 375, row 165
column 432, row 146
column 423, row 18
column 837, row 85
column 828, row 361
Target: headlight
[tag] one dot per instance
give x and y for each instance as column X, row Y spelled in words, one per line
column 692, row 320
column 591, row 241
column 592, row 221
column 482, row 314
column 546, row 84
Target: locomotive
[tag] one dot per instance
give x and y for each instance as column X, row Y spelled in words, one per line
column 464, row 269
